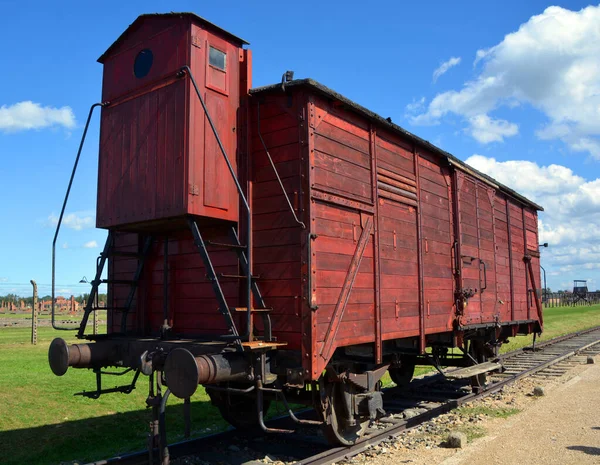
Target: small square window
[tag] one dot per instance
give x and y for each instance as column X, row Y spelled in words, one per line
column 217, row 58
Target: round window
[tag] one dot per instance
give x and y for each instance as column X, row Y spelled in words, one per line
column 143, row 63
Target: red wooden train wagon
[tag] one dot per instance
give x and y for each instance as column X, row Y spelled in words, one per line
column 284, row 242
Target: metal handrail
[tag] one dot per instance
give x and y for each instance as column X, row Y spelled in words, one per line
column 182, row 72
column 276, row 172
column 62, row 212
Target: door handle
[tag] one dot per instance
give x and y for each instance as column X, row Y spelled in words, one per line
column 484, row 287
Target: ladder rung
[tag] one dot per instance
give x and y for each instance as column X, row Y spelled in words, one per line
column 116, row 253
column 118, row 281
column 116, row 309
column 237, row 276
column 229, row 246
column 245, row 309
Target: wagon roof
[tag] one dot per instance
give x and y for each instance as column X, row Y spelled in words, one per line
column 320, row 88
column 193, row 16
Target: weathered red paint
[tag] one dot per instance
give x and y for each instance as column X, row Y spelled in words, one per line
column 158, row 156
column 394, row 230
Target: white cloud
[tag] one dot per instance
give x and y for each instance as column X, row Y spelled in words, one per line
column 90, row 245
column 444, row 67
column 3, row 279
column 571, row 220
column 65, row 245
column 551, row 62
column 29, row 115
column 416, row 105
column 75, row 220
column 485, row 129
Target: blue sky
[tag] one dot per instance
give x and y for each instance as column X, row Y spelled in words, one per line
column 524, row 111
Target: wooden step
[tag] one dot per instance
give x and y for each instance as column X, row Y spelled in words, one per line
column 227, row 246
column 253, row 310
column 237, row 276
column 474, row 370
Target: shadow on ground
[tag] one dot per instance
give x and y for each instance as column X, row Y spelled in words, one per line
column 101, row 437
column 586, row 449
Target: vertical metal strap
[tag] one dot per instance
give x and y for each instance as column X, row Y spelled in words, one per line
column 268, row 335
column 186, row 70
column 527, row 283
column 62, row 212
column 420, row 255
column 510, row 259
column 165, row 325
column 376, row 252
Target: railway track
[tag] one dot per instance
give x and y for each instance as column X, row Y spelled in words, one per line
column 406, row 408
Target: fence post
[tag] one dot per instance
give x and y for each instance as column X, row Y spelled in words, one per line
column 95, row 322
column 34, row 313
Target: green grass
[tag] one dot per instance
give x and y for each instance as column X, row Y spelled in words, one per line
column 472, row 431
column 42, row 422
column 499, row 412
column 559, row 321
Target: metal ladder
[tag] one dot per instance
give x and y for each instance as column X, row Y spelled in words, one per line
column 91, row 305
column 244, row 253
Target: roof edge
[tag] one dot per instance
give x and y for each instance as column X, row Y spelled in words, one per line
column 172, row 14
column 452, row 160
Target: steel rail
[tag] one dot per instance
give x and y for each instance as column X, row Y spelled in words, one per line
column 339, row 453
column 193, row 446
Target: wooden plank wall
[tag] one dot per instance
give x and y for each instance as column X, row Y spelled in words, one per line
column 121, row 268
column 503, row 258
column 193, row 309
column 469, row 246
column 487, row 252
column 341, row 168
column 438, row 237
column 520, row 279
column 276, row 236
column 532, row 241
column 399, row 256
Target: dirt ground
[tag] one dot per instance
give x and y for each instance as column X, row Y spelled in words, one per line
column 511, row 427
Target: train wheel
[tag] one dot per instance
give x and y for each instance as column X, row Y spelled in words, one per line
column 336, row 426
column 402, row 374
column 238, row 410
column 477, row 351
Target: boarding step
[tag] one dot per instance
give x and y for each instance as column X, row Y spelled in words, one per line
column 253, row 310
column 475, row 370
column 227, row 246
